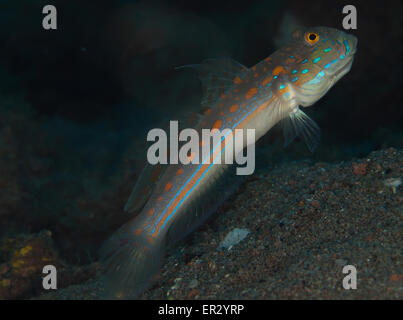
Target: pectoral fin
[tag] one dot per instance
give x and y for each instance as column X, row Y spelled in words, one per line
column 299, row 124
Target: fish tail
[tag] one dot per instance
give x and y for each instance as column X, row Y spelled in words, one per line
column 131, row 263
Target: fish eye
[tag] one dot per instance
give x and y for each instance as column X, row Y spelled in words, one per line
column 311, row 37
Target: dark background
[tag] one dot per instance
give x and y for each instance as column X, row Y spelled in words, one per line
column 76, row 103
column 111, row 58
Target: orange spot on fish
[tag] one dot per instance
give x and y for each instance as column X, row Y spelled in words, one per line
column 159, row 199
column 138, row 231
column 179, row 172
column 217, row 124
column 251, row 92
column 256, row 75
column 168, row 186
column 285, row 89
column 237, row 80
column 223, row 96
column 289, row 61
column 277, row 70
column 191, row 157
column 266, row 81
column 268, row 59
column 233, row 108
column 151, row 211
column 208, row 111
column 156, row 173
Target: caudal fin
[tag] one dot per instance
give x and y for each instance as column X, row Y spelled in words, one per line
column 131, row 267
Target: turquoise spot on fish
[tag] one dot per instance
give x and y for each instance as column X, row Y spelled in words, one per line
column 282, row 86
column 317, row 78
column 292, row 57
column 275, row 77
column 347, row 47
column 327, row 50
column 342, row 57
column 304, row 71
column 294, row 71
column 316, row 60
column 304, row 61
column 330, row 63
column 295, row 79
column 286, row 95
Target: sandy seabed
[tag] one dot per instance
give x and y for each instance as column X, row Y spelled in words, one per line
column 306, row 221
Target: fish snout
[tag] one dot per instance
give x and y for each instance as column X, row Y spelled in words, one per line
column 353, row 40
column 350, row 44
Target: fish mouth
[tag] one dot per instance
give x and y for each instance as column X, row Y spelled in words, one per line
column 345, row 68
column 348, row 47
column 305, row 94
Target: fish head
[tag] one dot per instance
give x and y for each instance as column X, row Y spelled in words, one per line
column 323, row 56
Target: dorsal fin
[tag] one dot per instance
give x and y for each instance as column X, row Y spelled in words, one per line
column 217, row 76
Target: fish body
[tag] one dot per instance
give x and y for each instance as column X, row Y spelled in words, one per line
column 179, row 197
